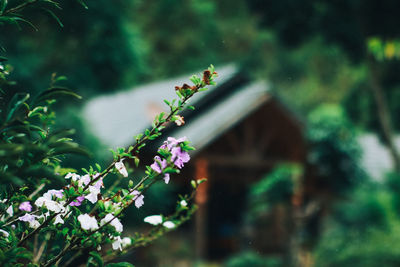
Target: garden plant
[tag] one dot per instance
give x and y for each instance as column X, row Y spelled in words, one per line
column 51, row 215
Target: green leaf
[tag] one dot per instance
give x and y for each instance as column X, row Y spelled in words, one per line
column 65, row 231
column 16, row 20
column 137, row 160
column 51, row 13
column 54, row 4
column 16, row 103
column 82, row 4
column 179, row 94
column 98, row 167
column 55, row 92
column 96, row 258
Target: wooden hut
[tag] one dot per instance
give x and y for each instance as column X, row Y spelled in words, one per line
column 240, row 131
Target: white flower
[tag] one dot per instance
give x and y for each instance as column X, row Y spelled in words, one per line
column 50, row 204
column 84, row 180
column 54, row 206
column 154, row 219
column 92, row 197
column 74, row 176
column 88, row 222
column 126, row 241
column 117, row 244
column 49, row 194
column 34, row 224
column 114, row 222
column 40, row 201
column 121, row 243
column 6, row 234
column 138, row 198
column 169, row 224
column 183, row 203
column 179, row 120
column 10, row 211
column 58, row 219
column 121, row 168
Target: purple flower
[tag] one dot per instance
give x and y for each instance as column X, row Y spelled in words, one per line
column 27, row 217
column 172, row 142
column 52, row 192
column 25, row 206
column 179, row 157
column 159, row 165
column 77, row 202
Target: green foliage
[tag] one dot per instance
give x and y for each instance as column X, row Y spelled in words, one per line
column 30, row 148
column 87, row 39
column 334, row 149
column 384, row 50
column 362, row 231
column 277, row 186
column 251, row 258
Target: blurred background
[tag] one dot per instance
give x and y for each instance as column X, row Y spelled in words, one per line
column 299, row 140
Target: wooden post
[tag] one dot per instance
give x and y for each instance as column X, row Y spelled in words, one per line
column 201, row 170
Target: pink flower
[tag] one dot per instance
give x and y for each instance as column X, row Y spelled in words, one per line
column 25, row 206
column 77, row 202
column 172, row 142
column 179, row 157
column 159, row 165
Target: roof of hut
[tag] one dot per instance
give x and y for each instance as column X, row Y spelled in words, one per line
column 116, row 118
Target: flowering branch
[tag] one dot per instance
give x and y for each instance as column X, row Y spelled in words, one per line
column 102, row 225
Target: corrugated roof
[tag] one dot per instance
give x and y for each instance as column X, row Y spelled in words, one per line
column 115, row 119
column 205, row 128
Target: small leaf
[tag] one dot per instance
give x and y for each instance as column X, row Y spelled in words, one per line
column 98, row 167
column 97, row 258
column 82, row 4
column 51, row 13
column 55, row 92
column 16, row 103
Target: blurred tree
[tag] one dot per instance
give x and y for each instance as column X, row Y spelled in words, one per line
column 349, row 25
column 363, row 231
column 334, row 150
column 96, row 50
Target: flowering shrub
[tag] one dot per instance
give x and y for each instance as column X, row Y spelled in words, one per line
column 84, row 214
column 43, row 223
